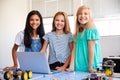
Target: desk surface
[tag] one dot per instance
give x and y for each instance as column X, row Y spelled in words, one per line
column 63, row 76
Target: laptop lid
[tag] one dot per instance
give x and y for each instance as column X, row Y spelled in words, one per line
column 35, row 61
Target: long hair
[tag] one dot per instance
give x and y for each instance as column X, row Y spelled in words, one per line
column 89, row 24
column 28, row 29
column 66, row 28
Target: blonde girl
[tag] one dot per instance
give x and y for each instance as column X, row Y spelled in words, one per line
column 86, row 52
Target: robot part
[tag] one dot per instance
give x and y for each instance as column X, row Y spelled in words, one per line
column 17, row 74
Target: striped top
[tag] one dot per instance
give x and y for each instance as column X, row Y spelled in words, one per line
column 59, row 49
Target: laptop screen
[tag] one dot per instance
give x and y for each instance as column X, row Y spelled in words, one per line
column 35, row 61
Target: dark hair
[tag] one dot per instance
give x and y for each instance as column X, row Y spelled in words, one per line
column 28, row 29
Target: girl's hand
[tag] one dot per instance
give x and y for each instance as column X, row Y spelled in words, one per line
column 69, row 69
column 10, row 68
column 91, row 70
column 62, row 68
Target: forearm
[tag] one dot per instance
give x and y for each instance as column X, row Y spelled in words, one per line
column 67, row 62
column 14, row 59
column 14, row 50
column 69, row 57
column 91, row 45
column 44, row 48
column 72, row 59
column 91, row 58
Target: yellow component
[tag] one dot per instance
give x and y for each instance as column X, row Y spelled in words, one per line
column 29, row 74
column 108, row 72
column 19, row 76
column 25, row 76
column 9, row 75
column 54, row 78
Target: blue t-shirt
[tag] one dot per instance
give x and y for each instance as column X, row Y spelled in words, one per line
column 59, row 48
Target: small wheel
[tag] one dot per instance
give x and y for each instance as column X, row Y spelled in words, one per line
column 24, row 76
column 29, row 74
column 15, row 76
column 7, row 75
column 19, row 77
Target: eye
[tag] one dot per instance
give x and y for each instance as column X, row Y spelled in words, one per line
column 62, row 20
column 31, row 19
column 86, row 13
column 37, row 19
column 80, row 14
column 56, row 19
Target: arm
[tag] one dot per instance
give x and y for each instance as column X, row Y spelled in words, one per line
column 71, row 67
column 91, row 44
column 62, row 68
column 72, row 58
column 44, row 48
column 14, row 50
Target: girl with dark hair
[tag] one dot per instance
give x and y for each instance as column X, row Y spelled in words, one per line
column 29, row 40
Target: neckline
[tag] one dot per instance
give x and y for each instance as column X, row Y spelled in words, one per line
column 58, row 35
column 36, row 37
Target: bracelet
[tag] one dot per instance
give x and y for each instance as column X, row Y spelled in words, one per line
column 90, row 65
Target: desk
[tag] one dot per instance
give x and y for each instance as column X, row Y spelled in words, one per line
column 63, row 76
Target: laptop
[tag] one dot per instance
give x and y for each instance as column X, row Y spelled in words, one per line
column 35, row 61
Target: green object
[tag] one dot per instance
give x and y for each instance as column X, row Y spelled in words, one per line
column 81, row 56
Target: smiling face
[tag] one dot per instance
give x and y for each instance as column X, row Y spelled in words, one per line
column 34, row 21
column 83, row 16
column 59, row 22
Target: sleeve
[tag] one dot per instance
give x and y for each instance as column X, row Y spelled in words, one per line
column 46, row 37
column 71, row 38
column 19, row 38
column 92, row 34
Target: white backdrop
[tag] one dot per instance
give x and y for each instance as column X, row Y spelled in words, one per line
column 12, row 20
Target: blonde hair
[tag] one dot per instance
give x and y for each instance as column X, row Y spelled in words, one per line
column 66, row 28
column 89, row 24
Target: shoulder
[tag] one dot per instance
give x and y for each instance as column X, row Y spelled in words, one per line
column 92, row 33
column 92, row 29
column 70, row 37
column 69, row 34
column 21, row 33
column 19, row 38
column 50, row 33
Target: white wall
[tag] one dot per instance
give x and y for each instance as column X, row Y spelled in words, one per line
column 110, row 46
column 12, row 20
column 108, row 26
column 48, row 24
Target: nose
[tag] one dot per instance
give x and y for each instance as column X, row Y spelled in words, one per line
column 59, row 22
column 82, row 15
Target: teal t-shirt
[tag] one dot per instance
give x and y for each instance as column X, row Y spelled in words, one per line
column 81, row 56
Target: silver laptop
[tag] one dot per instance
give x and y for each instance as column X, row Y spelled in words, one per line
column 35, row 61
